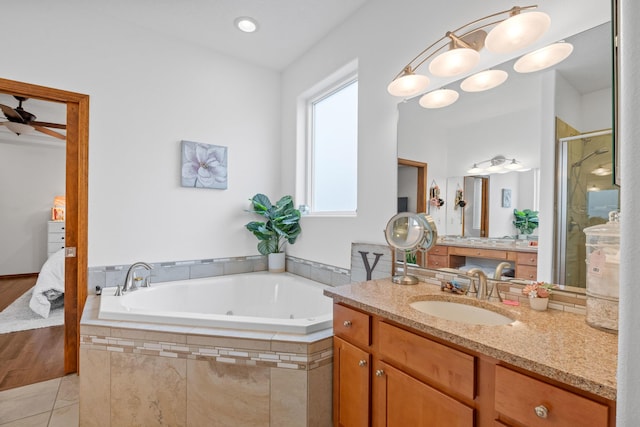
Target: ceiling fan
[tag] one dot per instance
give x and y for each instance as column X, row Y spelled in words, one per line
column 21, row 121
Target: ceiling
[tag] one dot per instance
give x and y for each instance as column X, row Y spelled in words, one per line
column 286, row 28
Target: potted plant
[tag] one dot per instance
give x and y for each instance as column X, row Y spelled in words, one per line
column 525, row 221
column 281, row 225
column 538, row 294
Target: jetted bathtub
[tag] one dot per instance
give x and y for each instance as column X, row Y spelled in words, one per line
column 273, row 302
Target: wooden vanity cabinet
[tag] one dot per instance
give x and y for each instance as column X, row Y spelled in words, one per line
column 390, row 375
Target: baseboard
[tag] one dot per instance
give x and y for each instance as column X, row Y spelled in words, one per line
column 18, row 276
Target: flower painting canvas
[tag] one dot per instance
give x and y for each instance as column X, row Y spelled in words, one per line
column 204, row 165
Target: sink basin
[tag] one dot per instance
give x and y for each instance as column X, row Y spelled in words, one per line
column 462, row 313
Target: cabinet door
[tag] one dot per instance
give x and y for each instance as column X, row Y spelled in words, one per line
column 401, row 400
column 351, row 384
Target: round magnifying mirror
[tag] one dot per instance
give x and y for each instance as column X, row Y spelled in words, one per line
column 409, row 231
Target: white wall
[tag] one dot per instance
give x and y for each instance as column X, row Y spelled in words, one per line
column 31, row 175
column 147, row 93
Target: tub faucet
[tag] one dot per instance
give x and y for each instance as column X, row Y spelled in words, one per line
column 481, row 291
column 128, row 280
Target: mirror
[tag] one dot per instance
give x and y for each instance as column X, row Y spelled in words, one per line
column 511, row 120
column 410, row 232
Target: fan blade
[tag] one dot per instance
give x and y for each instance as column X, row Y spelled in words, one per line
column 49, row 125
column 49, row 132
column 10, row 113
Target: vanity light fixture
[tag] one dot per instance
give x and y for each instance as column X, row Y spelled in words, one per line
column 246, row 24
column 545, row 57
column 496, row 164
column 484, row 80
column 457, row 52
column 439, row 98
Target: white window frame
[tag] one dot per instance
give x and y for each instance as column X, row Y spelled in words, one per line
column 342, row 78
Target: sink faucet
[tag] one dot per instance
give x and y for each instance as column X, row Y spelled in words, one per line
column 481, row 291
column 499, row 268
column 128, row 281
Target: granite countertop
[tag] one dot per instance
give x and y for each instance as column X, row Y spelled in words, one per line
column 553, row 343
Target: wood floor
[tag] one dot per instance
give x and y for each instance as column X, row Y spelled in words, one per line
column 31, row 356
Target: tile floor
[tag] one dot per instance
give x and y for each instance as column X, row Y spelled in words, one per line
column 52, row 403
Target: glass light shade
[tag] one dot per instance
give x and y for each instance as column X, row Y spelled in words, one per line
column 543, row 58
column 408, row 84
column 246, row 24
column 454, row 62
column 601, row 171
column 439, row 98
column 495, row 168
column 484, row 80
column 475, row 169
column 513, row 165
column 18, row 128
column 517, row 32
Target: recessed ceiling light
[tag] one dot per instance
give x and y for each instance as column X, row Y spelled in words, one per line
column 246, row 24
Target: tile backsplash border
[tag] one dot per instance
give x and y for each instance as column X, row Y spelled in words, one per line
column 113, row 275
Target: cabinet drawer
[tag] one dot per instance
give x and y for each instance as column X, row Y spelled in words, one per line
column 439, row 250
column 55, row 237
column 54, row 247
column 352, row 325
column 430, row 361
column 526, row 258
column 55, row 226
column 478, row 253
column 437, row 261
column 526, row 272
column 518, row 397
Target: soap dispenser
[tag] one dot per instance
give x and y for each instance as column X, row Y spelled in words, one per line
column 603, row 273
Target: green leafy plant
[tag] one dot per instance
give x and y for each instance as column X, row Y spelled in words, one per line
column 412, row 258
column 526, row 220
column 281, row 225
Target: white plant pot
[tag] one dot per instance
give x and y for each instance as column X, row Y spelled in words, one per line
column 276, row 262
column 539, row 304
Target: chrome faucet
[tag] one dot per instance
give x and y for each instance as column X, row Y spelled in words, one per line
column 128, row 280
column 481, row 291
column 499, row 268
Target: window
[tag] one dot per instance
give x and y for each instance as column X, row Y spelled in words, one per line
column 332, row 147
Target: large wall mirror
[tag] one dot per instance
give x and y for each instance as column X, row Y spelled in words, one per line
column 511, row 121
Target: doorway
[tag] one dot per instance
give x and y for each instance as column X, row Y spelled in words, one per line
column 76, row 217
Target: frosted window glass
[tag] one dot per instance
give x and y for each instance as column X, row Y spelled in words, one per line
column 335, row 151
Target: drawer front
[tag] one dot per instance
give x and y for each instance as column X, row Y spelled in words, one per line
column 439, row 250
column 430, row 361
column 437, row 261
column 527, row 258
column 352, row 325
column 54, row 247
column 526, row 272
column 478, row 253
column 55, row 237
column 55, row 226
column 527, row 401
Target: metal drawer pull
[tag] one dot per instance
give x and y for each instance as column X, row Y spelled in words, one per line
column 362, row 363
column 379, row 373
column 347, row 323
column 541, row 411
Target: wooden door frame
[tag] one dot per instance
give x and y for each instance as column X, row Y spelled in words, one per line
column 76, row 215
column 421, row 200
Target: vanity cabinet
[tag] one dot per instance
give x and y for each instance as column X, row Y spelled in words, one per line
column 386, row 374
column 525, row 263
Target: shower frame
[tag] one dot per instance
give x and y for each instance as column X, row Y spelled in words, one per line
column 562, row 171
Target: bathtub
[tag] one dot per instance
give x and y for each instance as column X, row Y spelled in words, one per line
column 272, row 302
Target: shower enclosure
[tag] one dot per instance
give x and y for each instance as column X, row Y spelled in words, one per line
column 587, row 194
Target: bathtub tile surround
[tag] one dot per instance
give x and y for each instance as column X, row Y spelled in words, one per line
column 193, row 376
column 370, row 262
column 113, row 275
